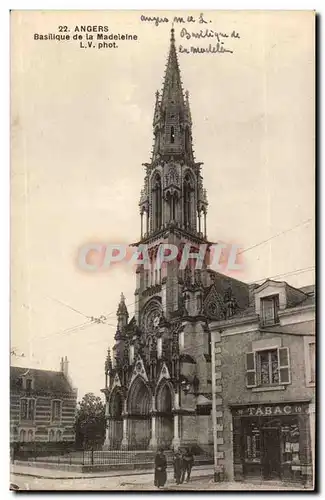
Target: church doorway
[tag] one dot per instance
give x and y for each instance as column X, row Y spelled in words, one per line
column 139, row 418
column 116, row 409
column 165, row 421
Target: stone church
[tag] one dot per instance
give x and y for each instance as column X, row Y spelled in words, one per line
column 158, row 375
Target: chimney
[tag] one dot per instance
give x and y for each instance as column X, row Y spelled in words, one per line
column 65, row 366
column 61, row 365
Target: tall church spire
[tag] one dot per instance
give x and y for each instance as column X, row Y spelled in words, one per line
column 172, row 123
column 173, row 194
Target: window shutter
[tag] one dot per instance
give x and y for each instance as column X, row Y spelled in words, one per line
column 251, row 369
column 284, row 365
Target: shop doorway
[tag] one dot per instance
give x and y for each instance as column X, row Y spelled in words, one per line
column 271, row 459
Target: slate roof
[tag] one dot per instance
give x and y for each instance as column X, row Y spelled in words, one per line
column 45, row 381
column 309, row 300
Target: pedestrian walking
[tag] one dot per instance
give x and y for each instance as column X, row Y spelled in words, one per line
column 178, row 467
column 160, row 468
column 188, row 461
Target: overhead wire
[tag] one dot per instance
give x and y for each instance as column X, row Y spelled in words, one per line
column 103, row 319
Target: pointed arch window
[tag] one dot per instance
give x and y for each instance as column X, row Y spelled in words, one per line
column 157, row 139
column 172, row 135
column 187, row 140
column 158, row 203
column 187, row 201
column 173, row 207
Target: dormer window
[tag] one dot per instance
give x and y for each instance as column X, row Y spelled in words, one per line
column 269, row 310
column 29, row 383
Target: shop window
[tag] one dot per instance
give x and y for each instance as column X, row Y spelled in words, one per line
column 290, row 443
column 27, row 409
column 269, row 310
column 268, row 368
column 253, row 444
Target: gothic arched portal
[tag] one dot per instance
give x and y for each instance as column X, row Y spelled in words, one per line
column 116, row 410
column 139, row 407
column 164, row 402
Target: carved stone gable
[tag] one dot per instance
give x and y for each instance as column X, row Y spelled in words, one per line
column 138, row 369
column 214, row 305
column 164, row 373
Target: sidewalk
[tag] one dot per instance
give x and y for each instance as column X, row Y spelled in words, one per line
column 29, row 470
column 208, row 484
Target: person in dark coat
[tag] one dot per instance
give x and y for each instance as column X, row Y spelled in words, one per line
column 160, row 469
column 178, row 467
column 188, row 461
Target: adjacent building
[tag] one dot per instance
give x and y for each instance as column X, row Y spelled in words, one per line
column 265, row 371
column 42, row 405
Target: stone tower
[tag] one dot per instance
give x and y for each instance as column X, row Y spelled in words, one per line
column 158, row 381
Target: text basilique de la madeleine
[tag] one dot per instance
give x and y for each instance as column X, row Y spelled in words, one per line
column 101, row 31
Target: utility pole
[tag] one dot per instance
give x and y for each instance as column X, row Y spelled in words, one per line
column 217, row 467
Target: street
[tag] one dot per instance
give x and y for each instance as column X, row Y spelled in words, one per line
column 138, row 482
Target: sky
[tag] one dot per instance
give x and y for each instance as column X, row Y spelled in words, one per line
column 81, row 127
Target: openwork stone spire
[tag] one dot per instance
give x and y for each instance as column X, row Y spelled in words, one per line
column 172, row 117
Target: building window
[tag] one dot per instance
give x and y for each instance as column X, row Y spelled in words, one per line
column 131, row 354
column 27, row 409
column 29, row 384
column 268, row 368
column 269, row 310
column 22, row 436
column 311, row 355
column 187, row 139
column 187, row 200
column 159, row 347
column 56, row 411
column 30, row 436
column 58, row 435
column 172, row 135
column 51, row 435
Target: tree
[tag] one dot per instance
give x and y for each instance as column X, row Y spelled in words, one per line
column 90, row 422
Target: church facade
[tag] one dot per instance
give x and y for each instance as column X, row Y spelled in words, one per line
column 158, row 375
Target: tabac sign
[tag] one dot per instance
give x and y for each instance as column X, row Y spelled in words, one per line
column 269, row 410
